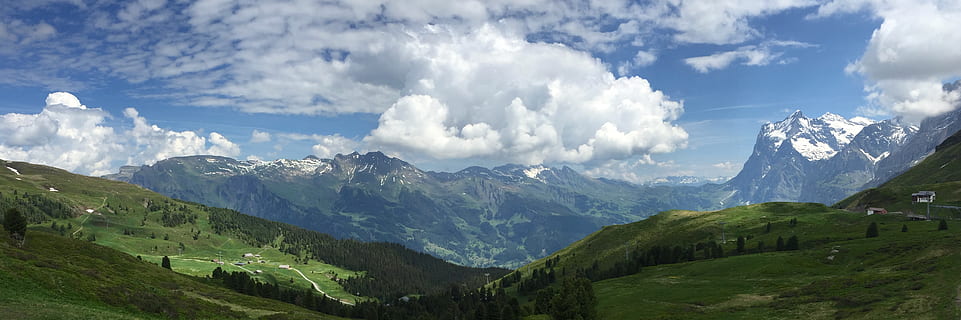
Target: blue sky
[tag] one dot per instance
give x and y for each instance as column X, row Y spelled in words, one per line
column 621, row 89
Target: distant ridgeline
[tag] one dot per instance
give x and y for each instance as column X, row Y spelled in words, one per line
column 505, row 216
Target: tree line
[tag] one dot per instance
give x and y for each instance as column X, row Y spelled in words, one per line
column 391, row 269
column 454, row 302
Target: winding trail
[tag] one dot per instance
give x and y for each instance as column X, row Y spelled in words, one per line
column 85, row 217
column 321, row 291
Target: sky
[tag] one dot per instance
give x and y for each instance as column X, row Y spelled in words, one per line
column 629, row 90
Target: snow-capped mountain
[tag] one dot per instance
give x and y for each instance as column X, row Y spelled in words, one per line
column 504, row 216
column 814, row 139
column 822, row 159
column 827, row 158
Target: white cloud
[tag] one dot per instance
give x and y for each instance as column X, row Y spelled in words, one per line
column 326, row 146
column 321, row 57
column 66, row 134
column 909, row 56
column 641, row 59
column 151, row 143
column 720, row 22
column 753, row 55
column 727, row 167
column 258, row 136
column 329, row 146
column 491, row 94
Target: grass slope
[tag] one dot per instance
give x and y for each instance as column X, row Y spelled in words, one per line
column 913, row 274
column 119, row 207
column 142, row 223
column 53, row 277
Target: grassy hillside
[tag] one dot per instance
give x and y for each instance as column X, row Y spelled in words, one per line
column 837, row 273
column 53, row 277
column 142, row 223
column 939, row 172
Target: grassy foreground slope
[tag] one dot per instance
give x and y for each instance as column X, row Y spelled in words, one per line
column 939, row 172
column 52, row 277
column 837, row 273
column 142, row 223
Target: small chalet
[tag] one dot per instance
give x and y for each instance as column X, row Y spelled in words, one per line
column 923, row 196
column 284, row 266
column 877, row 211
column 258, row 271
column 248, row 255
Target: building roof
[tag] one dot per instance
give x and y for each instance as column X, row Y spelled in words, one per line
column 923, row 193
column 877, row 209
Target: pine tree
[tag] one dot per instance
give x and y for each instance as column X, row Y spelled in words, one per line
column 16, row 225
column 904, row 228
column 165, row 263
column 792, row 243
column 780, row 243
column 872, row 230
column 943, row 225
column 768, row 228
column 760, row 246
column 740, row 244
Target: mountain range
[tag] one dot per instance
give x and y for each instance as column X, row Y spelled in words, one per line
column 504, row 216
column 508, row 215
column 828, row 158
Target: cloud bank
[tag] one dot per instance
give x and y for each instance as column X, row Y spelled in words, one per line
column 69, row 135
column 909, row 57
column 487, row 93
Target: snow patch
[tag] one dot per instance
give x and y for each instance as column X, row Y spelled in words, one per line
column 52, row 189
column 14, row 170
column 862, row 121
column 89, row 210
column 813, row 151
column 843, row 130
column 876, row 159
column 533, row 172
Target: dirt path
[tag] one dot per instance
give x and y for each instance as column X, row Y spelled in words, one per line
column 85, row 217
column 321, row 291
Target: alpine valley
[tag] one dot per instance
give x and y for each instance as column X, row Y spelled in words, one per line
column 509, row 215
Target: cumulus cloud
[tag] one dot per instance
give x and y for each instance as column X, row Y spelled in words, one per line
column 753, row 55
column 326, row 146
column 258, row 136
column 69, row 135
column 641, row 59
column 488, row 93
column 314, row 57
column 719, row 22
column 329, row 146
column 909, row 56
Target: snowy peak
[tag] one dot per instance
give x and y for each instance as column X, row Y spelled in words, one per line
column 815, row 139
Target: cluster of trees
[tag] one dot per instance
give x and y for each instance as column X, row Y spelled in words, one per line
column 176, row 218
column 391, row 269
column 242, row 282
column 574, row 299
column 16, row 225
column 35, row 208
column 791, row 244
column 454, row 302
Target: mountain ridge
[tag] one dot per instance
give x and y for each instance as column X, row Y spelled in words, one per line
column 502, row 216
